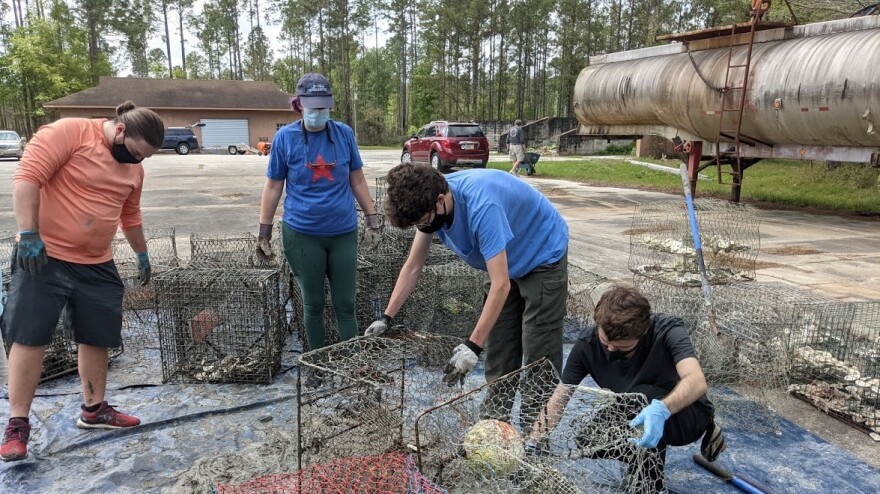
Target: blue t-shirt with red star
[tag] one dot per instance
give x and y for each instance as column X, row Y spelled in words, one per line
column 316, row 166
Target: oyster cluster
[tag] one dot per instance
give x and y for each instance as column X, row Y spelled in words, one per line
column 837, row 387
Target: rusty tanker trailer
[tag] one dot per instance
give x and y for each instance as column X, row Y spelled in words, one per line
column 813, row 92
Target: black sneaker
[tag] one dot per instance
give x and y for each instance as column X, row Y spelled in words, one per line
column 713, row 442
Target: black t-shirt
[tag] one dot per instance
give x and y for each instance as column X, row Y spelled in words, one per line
column 664, row 345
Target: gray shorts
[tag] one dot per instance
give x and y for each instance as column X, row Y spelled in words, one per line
column 517, row 152
column 91, row 292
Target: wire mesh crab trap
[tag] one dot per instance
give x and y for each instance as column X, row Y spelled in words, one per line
column 741, row 341
column 476, row 442
column 662, row 248
column 579, row 306
column 61, row 357
column 448, row 299
column 139, row 302
column 835, row 363
column 361, row 396
column 219, row 325
column 7, row 243
column 223, row 251
column 389, row 473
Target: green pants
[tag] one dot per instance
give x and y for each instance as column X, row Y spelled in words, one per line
column 528, row 329
column 313, row 258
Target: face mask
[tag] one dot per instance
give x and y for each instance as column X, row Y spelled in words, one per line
column 316, row 119
column 437, row 223
column 618, row 355
column 122, row 154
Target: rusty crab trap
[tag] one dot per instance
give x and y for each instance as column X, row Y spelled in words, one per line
column 223, row 251
column 580, row 304
column 139, row 333
column 448, row 298
column 219, row 325
column 476, row 442
column 389, row 473
column 662, row 248
column 361, row 396
column 61, row 357
column 741, row 341
column 835, row 361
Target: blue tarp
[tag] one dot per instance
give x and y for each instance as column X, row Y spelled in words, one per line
column 196, row 434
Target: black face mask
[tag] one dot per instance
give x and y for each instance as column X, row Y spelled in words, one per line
column 122, row 154
column 438, row 222
column 618, row 355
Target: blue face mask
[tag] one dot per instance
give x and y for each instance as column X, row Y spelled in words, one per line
column 316, row 119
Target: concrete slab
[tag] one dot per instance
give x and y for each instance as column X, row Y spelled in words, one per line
column 837, row 256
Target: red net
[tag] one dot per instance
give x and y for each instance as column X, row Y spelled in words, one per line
column 392, row 473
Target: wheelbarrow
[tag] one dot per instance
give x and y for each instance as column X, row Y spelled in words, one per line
column 529, row 164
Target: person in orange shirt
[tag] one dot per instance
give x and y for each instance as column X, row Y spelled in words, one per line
column 78, row 182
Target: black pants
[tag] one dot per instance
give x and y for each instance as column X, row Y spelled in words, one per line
column 683, row 428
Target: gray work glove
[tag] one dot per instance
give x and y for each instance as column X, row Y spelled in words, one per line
column 372, row 232
column 30, row 253
column 264, row 245
column 464, row 359
column 379, row 326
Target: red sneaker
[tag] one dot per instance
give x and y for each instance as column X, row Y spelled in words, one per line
column 105, row 417
column 15, row 440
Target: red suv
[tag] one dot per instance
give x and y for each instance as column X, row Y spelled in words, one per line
column 447, row 144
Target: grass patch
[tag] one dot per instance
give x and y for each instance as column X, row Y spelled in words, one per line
column 850, row 188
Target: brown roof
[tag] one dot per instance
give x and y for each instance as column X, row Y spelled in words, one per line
column 178, row 94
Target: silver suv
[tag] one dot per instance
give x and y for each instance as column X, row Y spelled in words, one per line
column 11, row 145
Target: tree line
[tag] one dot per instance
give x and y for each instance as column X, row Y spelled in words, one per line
column 441, row 59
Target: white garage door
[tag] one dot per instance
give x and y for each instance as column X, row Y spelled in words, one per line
column 223, row 132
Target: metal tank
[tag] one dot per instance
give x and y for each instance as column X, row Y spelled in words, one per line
column 814, row 91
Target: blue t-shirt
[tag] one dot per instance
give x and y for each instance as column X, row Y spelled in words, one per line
column 495, row 210
column 316, row 166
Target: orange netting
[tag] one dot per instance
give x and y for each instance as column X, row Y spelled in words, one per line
column 391, row 473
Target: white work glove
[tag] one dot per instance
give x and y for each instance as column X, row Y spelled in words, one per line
column 379, row 326
column 264, row 245
column 372, row 232
column 464, row 359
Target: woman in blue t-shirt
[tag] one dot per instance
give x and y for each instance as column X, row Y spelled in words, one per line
column 316, row 161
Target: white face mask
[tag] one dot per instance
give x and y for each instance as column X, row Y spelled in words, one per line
column 316, row 119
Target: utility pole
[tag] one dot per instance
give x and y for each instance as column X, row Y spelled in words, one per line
column 354, row 98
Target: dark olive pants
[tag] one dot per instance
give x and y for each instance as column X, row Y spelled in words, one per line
column 312, row 259
column 528, row 329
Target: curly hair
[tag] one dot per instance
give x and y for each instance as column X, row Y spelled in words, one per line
column 412, row 193
column 623, row 313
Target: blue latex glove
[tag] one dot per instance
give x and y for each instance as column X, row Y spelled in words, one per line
column 30, row 252
column 653, row 417
column 144, row 269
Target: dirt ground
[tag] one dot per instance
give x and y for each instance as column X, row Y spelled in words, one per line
column 839, row 257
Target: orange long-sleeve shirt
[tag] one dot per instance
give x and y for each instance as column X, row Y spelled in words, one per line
column 85, row 194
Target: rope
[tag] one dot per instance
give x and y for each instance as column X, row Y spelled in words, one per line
column 699, row 73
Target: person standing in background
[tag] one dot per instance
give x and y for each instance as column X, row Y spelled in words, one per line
column 516, row 145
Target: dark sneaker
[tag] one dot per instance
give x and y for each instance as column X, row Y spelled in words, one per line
column 15, row 440
column 713, row 442
column 105, row 417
